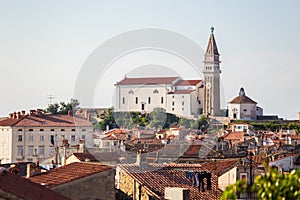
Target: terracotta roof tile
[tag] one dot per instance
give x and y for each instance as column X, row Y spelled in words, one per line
column 187, row 82
column 25, row 189
column 242, row 100
column 46, row 121
column 147, row 81
column 181, row 92
column 68, row 173
column 220, row 166
column 234, row 136
column 156, row 177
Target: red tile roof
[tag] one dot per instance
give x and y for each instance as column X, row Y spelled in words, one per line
column 181, row 92
column 68, row 173
column 234, row 136
column 187, row 82
column 220, row 166
column 97, row 156
column 156, row 177
column 25, row 189
column 46, row 121
column 147, row 81
column 242, row 100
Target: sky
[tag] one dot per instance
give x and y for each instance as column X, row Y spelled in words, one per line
column 44, row 44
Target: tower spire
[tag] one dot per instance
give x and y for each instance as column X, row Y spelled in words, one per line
column 212, row 48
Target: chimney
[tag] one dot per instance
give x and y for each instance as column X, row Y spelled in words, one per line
column 11, row 115
column 15, row 115
column 70, row 113
column 141, row 159
column 88, row 117
column 81, row 146
column 176, row 193
column 23, row 112
column 32, row 112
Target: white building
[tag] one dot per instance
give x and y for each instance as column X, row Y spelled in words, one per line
column 242, row 107
column 26, row 137
column 188, row 98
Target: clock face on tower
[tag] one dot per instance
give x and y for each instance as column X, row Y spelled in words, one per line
column 208, row 85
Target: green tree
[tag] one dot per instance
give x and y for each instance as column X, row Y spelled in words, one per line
column 158, row 117
column 62, row 107
column 272, row 186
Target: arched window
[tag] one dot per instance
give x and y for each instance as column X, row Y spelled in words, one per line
column 155, row 91
column 130, row 92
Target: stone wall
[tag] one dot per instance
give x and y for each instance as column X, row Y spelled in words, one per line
column 97, row 186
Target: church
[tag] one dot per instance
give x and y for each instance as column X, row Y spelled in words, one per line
column 187, row 98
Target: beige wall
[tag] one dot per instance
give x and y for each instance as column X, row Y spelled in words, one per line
column 227, row 178
column 97, row 186
column 36, row 137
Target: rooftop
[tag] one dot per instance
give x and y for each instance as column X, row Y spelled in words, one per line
column 68, row 173
column 25, row 189
column 148, row 81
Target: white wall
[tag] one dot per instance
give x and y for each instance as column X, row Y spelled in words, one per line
column 227, row 178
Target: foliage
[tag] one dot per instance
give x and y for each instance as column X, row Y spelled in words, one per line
column 272, row 186
column 107, row 120
column 199, row 123
column 158, row 118
column 62, row 107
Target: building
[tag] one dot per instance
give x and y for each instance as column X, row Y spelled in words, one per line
column 80, row 181
column 16, row 187
column 34, row 136
column 243, row 108
column 188, row 98
column 160, row 181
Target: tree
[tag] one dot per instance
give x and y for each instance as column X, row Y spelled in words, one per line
column 158, row 117
column 272, row 186
column 62, row 107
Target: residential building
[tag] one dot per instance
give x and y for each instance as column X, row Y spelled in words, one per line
column 31, row 137
column 80, row 180
column 16, row 187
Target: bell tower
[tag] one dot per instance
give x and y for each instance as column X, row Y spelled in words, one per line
column 211, row 73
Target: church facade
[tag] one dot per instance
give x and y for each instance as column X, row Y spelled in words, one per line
column 188, row 98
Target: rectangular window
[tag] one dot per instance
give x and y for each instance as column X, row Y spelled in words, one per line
column 41, row 138
column 183, row 103
column 123, row 100
column 136, row 100
column 19, row 129
column 52, row 139
column 30, row 138
column 149, row 100
column 30, row 150
column 41, row 150
column 41, row 129
column 72, row 138
column 83, row 137
column 20, row 138
column 51, row 129
column 20, row 150
column 52, row 151
column 173, row 103
column 161, row 100
column 73, row 129
column 172, row 109
column 83, row 130
column 30, row 130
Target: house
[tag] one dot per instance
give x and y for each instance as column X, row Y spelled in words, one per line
column 154, row 181
column 16, row 187
column 30, row 137
column 107, row 158
column 79, row 181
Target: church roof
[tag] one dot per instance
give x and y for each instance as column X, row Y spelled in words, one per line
column 212, row 45
column 187, row 82
column 147, row 81
column 242, row 98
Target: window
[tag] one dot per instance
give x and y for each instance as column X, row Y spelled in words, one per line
column 20, row 150
column 123, row 100
column 30, row 150
column 41, row 138
column 30, row 129
column 173, row 97
column 136, row 100
column 161, row 100
column 52, row 130
column 30, row 138
column 130, row 92
column 83, row 130
column 149, row 100
column 41, row 129
column 62, row 137
column 182, row 103
column 52, row 139
column 173, row 103
column 52, row 150
column 172, row 109
column 62, row 129
column 155, row 91
column 182, row 109
column 73, row 129
column 20, row 138
column 19, row 129
column 73, row 138
column 41, row 150
column 83, row 137
column 245, row 110
column 182, row 96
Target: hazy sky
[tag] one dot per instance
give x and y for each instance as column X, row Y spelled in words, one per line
column 43, row 45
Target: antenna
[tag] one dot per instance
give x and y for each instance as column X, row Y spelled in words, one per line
column 50, row 97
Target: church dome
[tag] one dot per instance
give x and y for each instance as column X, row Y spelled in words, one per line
column 242, row 98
